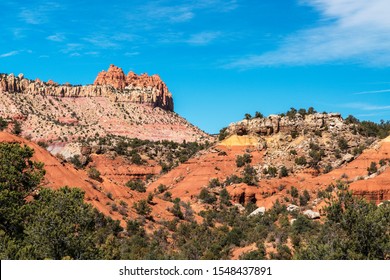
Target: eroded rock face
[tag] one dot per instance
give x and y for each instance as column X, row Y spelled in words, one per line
column 274, row 124
column 142, row 89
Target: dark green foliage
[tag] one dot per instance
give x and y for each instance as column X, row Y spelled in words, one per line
column 167, row 196
column 224, row 197
column 3, row 124
column 311, row 111
column 142, row 207
column 291, row 113
column 137, row 185
column 213, row 183
column 75, row 160
column 43, row 144
column 283, row 172
column 382, row 162
column 258, row 254
column 248, row 116
column 61, row 225
column 244, row 159
column 368, row 128
column 176, row 210
column 293, row 152
column 259, row 115
column 136, row 158
column 328, row 168
column 19, row 176
column 161, row 188
column 294, row 192
column 233, row 179
column 249, row 177
column 342, row 143
column 17, row 128
column 304, row 198
column 150, row 198
column 294, row 134
column 93, row 173
column 358, row 150
column 372, row 169
column 301, row 160
column 354, row 229
column 206, row 196
column 222, row 134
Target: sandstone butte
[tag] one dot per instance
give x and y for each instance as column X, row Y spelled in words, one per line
column 132, row 106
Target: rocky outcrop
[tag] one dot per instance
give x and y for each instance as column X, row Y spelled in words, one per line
column 275, row 123
column 143, row 89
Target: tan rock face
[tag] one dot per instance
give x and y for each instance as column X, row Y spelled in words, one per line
column 143, row 89
column 275, row 123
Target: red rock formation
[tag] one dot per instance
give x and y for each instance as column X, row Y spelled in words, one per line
column 144, row 89
column 113, row 77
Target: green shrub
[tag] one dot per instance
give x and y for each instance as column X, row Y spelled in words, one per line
column 244, row 159
column 94, row 174
column 137, row 185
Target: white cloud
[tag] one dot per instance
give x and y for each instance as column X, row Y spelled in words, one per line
column 58, row 37
column 366, row 106
column 349, row 30
column 9, row 54
column 203, row 38
column 372, row 92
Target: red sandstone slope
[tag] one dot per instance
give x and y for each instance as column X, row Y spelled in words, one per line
column 97, row 193
column 188, row 179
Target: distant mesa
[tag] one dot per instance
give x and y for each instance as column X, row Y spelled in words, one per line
column 113, row 83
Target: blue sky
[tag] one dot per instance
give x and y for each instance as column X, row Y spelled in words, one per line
column 220, row 59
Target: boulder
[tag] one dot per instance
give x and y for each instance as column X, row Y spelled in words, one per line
column 311, row 214
column 292, row 207
column 260, row 210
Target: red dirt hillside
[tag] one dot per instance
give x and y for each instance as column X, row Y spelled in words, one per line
column 60, row 174
column 187, row 180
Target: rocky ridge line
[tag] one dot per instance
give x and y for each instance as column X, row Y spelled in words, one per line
column 143, row 89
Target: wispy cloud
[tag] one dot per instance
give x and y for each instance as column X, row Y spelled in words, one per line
column 366, row 106
column 203, row 38
column 38, row 14
column 58, row 37
column 372, row 92
column 357, row 31
column 9, row 54
column 132, row 53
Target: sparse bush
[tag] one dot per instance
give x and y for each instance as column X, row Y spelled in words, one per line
column 233, row 179
column 283, row 172
column 161, row 188
column 3, row 124
column 142, row 208
column 137, row 185
column 301, row 160
column 94, row 174
column 222, row 134
column 372, row 169
column 259, row 115
column 249, row 176
column 214, row 183
column 244, row 159
column 224, row 197
column 328, row 168
column 342, row 143
column 294, row 192
column 206, row 196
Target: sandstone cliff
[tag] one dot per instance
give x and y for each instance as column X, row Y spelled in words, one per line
column 274, row 124
column 113, row 84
